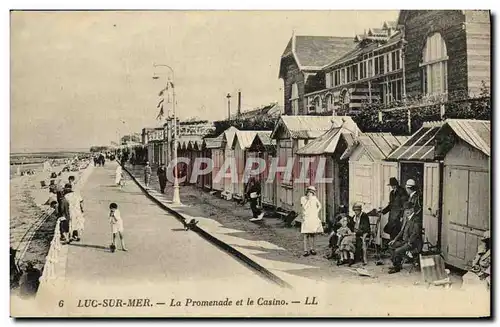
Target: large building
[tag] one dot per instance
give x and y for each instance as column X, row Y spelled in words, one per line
column 425, row 53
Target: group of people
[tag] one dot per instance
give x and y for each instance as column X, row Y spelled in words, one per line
column 99, row 160
column 68, row 207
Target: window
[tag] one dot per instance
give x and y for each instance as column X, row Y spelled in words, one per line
column 295, row 99
column 328, row 80
column 370, row 68
column 354, row 72
column 434, row 65
column 345, row 99
column 329, row 102
column 348, row 72
column 337, row 78
column 285, row 154
column 392, row 91
column 363, row 69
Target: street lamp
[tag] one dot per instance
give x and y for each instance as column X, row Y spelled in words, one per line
column 228, row 96
column 176, row 198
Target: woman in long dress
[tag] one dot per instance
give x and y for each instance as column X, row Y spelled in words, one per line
column 312, row 224
column 75, row 202
column 118, row 175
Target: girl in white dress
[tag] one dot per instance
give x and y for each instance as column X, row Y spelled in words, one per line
column 116, row 222
column 312, row 224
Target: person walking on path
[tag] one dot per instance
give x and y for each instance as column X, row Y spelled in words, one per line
column 162, row 177
column 311, row 224
column 147, row 174
column 118, row 176
column 116, row 223
column 64, row 218
column 397, row 198
column 75, row 212
column 254, row 194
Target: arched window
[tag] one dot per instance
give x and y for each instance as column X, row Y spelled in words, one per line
column 434, row 66
column 345, row 99
column 294, row 99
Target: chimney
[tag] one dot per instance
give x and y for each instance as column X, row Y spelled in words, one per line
column 239, row 103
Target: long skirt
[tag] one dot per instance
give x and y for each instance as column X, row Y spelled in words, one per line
column 147, row 178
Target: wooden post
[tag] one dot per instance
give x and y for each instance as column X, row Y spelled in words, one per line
column 380, row 116
column 442, row 111
column 409, row 121
column 369, row 92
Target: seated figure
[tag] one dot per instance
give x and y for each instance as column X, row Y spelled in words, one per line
column 480, row 274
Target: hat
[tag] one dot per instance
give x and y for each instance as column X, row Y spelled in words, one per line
column 408, row 205
column 68, row 187
column 393, row 181
column 410, row 183
column 357, row 205
column 311, row 188
column 343, row 209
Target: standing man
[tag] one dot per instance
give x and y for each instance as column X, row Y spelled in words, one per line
column 147, row 174
column 409, row 238
column 397, row 198
column 254, row 194
column 414, row 197
column 162, row 177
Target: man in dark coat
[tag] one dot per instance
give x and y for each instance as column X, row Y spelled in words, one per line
column 397, row 198
column 360, row 224
column 414, row 197
column 409, row 239
column 162, row 177
column 254, row 194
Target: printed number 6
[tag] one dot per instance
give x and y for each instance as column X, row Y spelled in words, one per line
column 61, row 303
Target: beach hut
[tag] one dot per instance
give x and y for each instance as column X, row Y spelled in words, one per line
column 265, row 148
column 241, row 142
column 415, row 160
column 228, row 154
column 324, row 154
column 369, row 173
column 464, row 146
column 212, row 147
column 291, row 134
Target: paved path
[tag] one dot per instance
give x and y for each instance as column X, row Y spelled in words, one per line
column 159, row 248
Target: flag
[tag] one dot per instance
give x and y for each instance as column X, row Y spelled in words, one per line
column 160, row 114
column 159, row 103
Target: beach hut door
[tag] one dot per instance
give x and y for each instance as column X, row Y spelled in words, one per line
column 430, row 203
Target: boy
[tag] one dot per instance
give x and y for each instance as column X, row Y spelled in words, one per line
column 116, row 222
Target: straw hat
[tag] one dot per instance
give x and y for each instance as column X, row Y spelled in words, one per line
column 311, row 189
column 410, row 183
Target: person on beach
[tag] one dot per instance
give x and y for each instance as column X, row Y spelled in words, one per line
column 118, row 176
column 147, row 174
column 75, row 212
column 64, row 219
column 72, row 181
column 311, row 224
column 116, row 223
column 162, row 177
column 254, row 194
column 397, row 198
column 333, row 225
column 346, row 243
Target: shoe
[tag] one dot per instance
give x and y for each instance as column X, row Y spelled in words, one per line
column 306, row 254
column 261, row 216
column 124, row 249
column 394, row 270
column 313, row 252
column 351, row 262
column 340, row 262
column 254, row 219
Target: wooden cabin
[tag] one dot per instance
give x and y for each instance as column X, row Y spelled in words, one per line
column 324, row 154
column 265, row 148
column 228, row 154
column 241, row 142
column 213, row 149
column 415, row 160
column 369, row 174
column 291, row 134
column 464, row 146
column 206, row 152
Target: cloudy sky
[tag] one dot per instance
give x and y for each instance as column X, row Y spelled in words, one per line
column 83, row 78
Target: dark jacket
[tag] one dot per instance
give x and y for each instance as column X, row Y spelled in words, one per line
column 162, row 173
column 411, row 232
column 416, row 199
column 397, row 198
column 364, row 225
column 253, row 188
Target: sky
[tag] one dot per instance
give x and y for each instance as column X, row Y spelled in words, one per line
column 84, row 78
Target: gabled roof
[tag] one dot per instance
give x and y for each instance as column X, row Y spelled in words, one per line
column 228, row 136
column 309, row 127
column 476, row 133
column 213, row 142
column 420, row 146
column 263, row 142
column 244, row 138
column 378, row 145
column 327, row 143
column 313, row 52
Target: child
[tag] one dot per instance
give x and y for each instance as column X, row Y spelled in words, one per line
column 118, row 176
column 312, row 224
column 333, row 225
column 346, row 243
column 116, row 222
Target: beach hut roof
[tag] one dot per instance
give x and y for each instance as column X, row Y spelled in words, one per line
column 245, row 138
column 378, row 145
column 213, row 142
column 228, row 136
column 263, row 142
column 419, row 146
column 476, row 133
column 310, row 127
column 327, row 143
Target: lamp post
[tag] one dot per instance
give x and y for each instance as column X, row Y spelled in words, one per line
column 176, row 199
column 228, row 96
